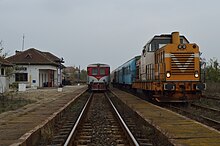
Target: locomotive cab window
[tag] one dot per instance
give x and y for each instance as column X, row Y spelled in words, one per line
column 94, row 71
column 150, row 49
column 162, row 45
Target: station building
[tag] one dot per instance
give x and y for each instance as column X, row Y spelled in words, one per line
column 36, row 68
column 4, row 80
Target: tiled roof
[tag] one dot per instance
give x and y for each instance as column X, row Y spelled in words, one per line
column 34, row 57
column 4, row 62
column 51, row 56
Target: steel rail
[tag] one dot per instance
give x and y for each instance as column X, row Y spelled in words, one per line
column 67, row 142
column 123, row 123
column 195, row 117
column 211, row 120
column 205, row 108
column 213, row 98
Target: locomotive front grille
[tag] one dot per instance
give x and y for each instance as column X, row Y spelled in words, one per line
column 182, row 63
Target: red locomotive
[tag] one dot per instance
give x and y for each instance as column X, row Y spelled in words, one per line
column 98, row 77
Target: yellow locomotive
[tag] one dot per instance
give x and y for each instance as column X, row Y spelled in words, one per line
column 169, row 69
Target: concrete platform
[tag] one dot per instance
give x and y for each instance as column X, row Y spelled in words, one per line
column 16, row 126
column 181, row 131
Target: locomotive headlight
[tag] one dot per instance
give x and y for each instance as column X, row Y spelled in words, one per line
column 184, row 46
column 196, row 74
column 168, row 74
column 181, row 46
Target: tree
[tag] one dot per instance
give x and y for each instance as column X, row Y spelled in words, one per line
column 71, row 74
column 213, row 71
column 83, row 75
column 8, row 70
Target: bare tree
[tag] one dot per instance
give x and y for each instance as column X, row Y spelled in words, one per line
column 3, row 55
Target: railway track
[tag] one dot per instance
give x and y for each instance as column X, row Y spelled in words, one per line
column 143, row 132
column 60, row 131
column 205, row 115
column 93, row 120
column 99, row 125
column 205, row 108
column 209, row 101
column 211, row 97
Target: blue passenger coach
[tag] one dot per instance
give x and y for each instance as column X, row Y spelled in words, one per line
column 126, row 74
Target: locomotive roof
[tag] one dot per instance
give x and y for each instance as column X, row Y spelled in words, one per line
column 163, row 39
column 167, row 37
column 98, row 64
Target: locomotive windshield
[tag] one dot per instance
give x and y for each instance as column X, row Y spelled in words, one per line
column 159, row 41
column 95, row 71
column 102, row 71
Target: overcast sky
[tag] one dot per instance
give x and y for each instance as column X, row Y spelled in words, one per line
column 106, row 31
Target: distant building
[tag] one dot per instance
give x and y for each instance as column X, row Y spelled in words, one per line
column 36, row 68
column 71, row 74
column 4, row 81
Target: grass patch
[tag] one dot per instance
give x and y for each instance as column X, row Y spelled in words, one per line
column 8, row 103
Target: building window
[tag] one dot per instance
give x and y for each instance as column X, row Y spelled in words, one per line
column 2, row 71
column 21, row 77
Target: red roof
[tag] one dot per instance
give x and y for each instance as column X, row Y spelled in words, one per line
column 4, row 62
column 34, row 57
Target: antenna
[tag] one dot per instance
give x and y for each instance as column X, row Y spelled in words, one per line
column 1, row 46
column 22, row 43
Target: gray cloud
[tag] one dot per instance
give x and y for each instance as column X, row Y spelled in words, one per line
column 112, row 32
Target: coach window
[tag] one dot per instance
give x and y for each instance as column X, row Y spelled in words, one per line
column 94, row 71
column 102, row 71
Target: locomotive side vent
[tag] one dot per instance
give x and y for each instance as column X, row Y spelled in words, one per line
column 182, row 63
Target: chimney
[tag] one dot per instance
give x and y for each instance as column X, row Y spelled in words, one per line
column 175, row 38
column 17, row 52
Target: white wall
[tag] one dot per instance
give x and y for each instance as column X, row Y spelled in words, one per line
column 146, row 59
column 33, row 74
column 4, row 84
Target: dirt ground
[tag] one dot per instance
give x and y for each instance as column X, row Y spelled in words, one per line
column 14, row 124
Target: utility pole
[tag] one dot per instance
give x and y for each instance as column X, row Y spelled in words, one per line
column 79, row 74
column 60, row 67
column 22, row 43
